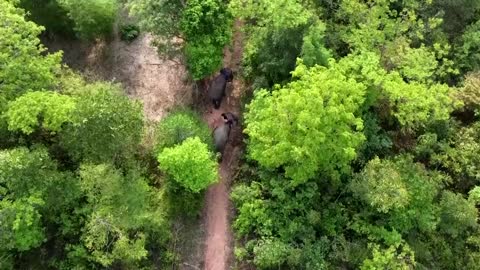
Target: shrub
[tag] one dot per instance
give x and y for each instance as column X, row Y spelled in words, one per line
column 178, row 126
column 190, row 164
column 129, row 32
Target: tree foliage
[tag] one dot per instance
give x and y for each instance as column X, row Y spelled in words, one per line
column 190, row 164
column 179, row 126
column 28, row 180
column 294, row 127
column 74, row 191
column 119, row 217
column 47, row 109
column 105, row 125
column 362, row 137
column 274, row 32
column 402, row 203
column 199, row 29
column 91, row 18
column 25, row 64
column 50, row 14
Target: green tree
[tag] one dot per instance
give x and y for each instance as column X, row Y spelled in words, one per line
column 382, row 186
column 50, row 14
column 190, row 164
column 21, row 223
column 179, row 126
column 396, row 31
column 313, row 48
column 119, row 216
column 460, row 156
column 197, row 28
column 274, row 36
column 32, row 190
column 105, row 126
column 207, row 28
column 403, row 191
column 394, row 257
column 456, row 14
column 469, row 94
column 46, row 109
column 308, row 126
column 467, row 49
column 283, row 226
column 412, row 104
column 92, row 18
column 270, row 254
column 25, row 64
column 457, row 214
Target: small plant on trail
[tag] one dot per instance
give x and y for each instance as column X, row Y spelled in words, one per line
column 129, row 32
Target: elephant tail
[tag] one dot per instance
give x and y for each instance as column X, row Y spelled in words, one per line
column 216, row 104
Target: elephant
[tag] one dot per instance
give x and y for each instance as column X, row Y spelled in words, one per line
column 222, row 132
column 220, row 137
column 230, row 118
column 216, row 92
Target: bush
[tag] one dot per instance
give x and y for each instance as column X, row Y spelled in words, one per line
column 178, row 126
column 190, row 164
column 92, row 18
column 129, row 32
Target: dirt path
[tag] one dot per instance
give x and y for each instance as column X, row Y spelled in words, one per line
column 218, row 242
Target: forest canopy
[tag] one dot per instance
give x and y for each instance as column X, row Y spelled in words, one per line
column 361, row 135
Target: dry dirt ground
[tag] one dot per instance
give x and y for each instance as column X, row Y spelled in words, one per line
column 159, row 84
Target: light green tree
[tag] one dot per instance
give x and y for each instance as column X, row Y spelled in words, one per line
column 46, row 109
column 309, row 125
column 398, row 257
column 25, row 64
column 190, row 164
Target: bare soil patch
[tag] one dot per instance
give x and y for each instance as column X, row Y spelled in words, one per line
column 159, row 84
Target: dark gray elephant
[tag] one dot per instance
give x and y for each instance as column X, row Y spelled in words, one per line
column 216, row 92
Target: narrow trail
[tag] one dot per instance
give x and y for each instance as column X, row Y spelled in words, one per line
column 218, row 239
